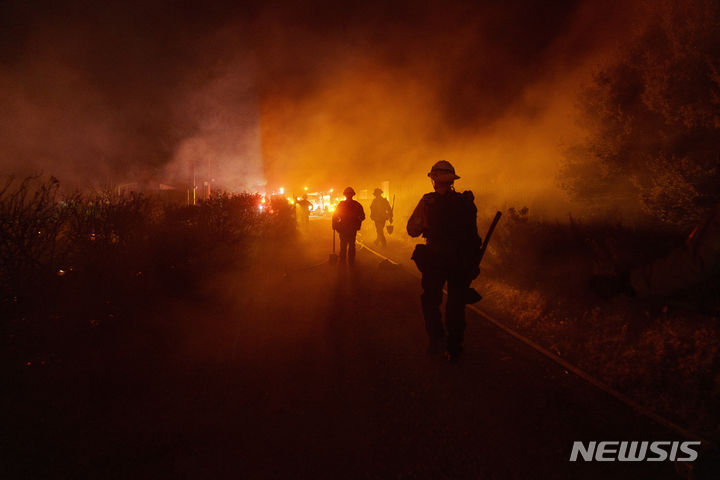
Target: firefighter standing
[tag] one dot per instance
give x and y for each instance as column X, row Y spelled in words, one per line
column 346, row 221
column 380, row 212
column 451, row 255
column 305, row 208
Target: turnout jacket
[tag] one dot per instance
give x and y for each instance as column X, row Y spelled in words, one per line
column 380, row 210
column 448, row 222
column 348, row 216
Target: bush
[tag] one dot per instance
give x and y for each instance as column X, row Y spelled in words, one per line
column 105, row 248
column 663, row 352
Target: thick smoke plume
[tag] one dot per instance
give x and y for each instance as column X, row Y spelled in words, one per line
column 288, row 94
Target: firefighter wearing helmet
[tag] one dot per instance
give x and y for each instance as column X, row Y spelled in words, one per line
column 305, row 207
column 346, row 220
column 380, row 212
column 447, row 221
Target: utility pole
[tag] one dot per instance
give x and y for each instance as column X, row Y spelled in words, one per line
column 194, row 185
column 209, row 179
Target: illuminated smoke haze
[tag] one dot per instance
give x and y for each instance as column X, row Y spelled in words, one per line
column 326, row 94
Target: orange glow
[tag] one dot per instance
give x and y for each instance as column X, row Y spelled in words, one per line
column 399, row 130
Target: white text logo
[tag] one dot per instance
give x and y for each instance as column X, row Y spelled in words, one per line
column 625, row 451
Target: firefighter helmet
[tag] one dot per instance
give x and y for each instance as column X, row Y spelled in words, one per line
column 349, row 192
column 443, row 171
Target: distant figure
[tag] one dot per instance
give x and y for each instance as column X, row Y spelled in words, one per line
column 447, row 220
column 346, row 221
column 380, row 212
column 681, row 269
column 305, row 208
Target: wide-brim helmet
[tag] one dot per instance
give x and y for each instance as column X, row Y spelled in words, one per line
column 443, row 171
column 349, row 192
column 377, row 191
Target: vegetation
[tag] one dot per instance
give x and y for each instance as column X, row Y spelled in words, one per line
column 652, row 151
column 72, row 264
column 653, row 120
column 663, row 352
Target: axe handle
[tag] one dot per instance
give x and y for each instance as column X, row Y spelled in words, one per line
column 489, row 234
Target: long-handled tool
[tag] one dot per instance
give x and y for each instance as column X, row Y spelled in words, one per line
column 333, row 258
column 472, row 296
column 390, row 227
column 489, row 234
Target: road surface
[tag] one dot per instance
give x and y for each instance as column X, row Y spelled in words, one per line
column 300, row 369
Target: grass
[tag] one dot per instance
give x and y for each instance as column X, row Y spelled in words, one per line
column 73, row 266
column 662, row 351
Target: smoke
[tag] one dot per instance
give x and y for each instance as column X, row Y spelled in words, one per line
column 491, row 89
column 92, row 91
column 224, row 147
column 290, row 94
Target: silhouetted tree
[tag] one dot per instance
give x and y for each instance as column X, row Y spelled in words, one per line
column 653, row 118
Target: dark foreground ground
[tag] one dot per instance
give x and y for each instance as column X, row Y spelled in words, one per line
column 300, row 369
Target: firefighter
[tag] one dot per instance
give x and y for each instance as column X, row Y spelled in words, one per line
column 347, row 220
column 380, row 212
column 451, row 254
column 681, row 269
column 305, row 207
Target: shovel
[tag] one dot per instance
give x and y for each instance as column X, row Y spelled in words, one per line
column 390, row 227
column 333, row 258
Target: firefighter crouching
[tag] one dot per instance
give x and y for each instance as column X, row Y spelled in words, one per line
column 447, row 220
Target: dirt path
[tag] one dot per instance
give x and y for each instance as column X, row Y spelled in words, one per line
column 296, row 372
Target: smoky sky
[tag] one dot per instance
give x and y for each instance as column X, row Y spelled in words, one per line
column 113, row 91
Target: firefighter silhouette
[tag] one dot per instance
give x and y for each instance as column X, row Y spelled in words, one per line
column 380, row 212
column 305, row 208
column 346, row 220
column 447, row 220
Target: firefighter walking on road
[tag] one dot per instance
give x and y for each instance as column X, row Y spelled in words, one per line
column 305, row 207
column 347, row 220
column 380, row 212
column 447, row 220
